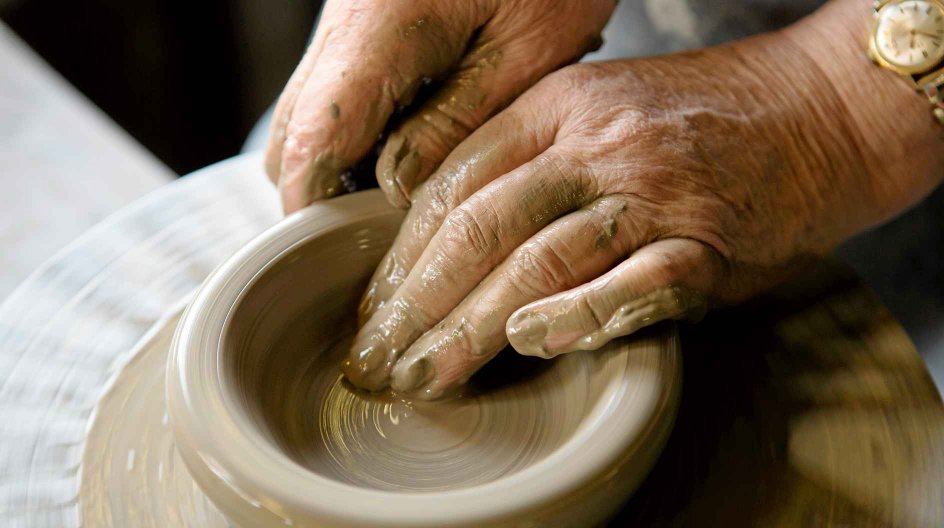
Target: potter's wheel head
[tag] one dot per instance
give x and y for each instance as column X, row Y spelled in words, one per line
column 273, row 434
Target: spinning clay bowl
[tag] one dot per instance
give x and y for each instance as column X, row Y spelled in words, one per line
column 274, row 436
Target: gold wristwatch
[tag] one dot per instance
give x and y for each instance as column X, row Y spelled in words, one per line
column 908, row 38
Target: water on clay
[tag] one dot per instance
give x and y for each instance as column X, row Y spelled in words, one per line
column 507, row 419
column 282, row 351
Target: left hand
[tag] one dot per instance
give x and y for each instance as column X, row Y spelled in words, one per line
column 612, row 196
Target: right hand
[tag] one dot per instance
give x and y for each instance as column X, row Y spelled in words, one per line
column 370, row 57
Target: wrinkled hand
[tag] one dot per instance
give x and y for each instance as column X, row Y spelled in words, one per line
column 370, row 57
column 609, row 197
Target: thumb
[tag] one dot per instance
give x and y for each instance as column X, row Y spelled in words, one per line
column 668, row 279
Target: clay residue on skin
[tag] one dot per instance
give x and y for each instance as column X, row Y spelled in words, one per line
column 410, row 29
column 397, row 169
column 321, row 177
column 422, row 222
column 609, row 225
column 551, row 333
column 430, row 49
column 416, row 373
column 376, row 349
column 442, row 123
column 453, row 350
column 466, row 91
column 607, row 232
column 548, row 201
column 386, row 279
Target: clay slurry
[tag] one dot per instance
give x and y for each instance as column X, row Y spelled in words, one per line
column 513, row 414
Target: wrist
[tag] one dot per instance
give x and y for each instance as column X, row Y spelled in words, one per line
column 887, row 122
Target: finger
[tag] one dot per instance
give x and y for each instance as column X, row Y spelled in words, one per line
column 368, row 67
column 487, row 79
column 283, row 108
column 507, row 141
column 511, row 52
column 669, row 279
column 567, row 253
column 474, row 238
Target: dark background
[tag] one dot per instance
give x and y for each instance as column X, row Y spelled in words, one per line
column 187, row 79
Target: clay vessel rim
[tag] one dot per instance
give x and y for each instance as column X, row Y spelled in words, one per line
column 234, row 453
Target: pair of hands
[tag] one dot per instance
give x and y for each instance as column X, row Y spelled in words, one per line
column 603, row 199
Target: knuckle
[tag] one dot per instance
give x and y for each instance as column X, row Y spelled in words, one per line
column 437, row 130
column 587, row 306
column 668, row 267
column 469, row 233
column 440, row 194
column 541, row 270
column 450, row 122
column 465, row 342
column 404, row 322
column 568, row 168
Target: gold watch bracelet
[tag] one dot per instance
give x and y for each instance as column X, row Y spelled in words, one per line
column 934, row 89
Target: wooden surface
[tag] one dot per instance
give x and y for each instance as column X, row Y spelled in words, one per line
column 807, row 407
column 64, row 165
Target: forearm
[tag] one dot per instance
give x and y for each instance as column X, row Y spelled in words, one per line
column 888, row 123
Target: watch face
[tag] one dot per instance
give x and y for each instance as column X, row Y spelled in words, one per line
column 910, row 34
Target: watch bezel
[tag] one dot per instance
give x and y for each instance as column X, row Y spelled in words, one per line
column 877, row 56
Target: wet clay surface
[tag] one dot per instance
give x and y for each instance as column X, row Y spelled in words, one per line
column 271, row 432
column 132, row 474
column 511, row 415
column 808, row 407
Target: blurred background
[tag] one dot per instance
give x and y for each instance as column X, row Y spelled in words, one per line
column 186, row 79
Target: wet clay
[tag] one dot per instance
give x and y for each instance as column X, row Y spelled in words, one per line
column 289, row 335
column 547, row 334
column 441, row 123
column 272, row 433
column 510, row 416
column 131, row 472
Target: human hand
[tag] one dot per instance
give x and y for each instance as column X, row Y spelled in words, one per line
column 370, row 57
column 615, row 195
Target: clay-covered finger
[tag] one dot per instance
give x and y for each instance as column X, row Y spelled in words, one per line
column 511, row 52
column 487, row 79
column 372, row 61
column 505, row 142
column 567, row 253
column 668, row 279
column 474, row 239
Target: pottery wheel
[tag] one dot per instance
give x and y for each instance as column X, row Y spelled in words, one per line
column 68, row 330
column 808, row 407
column 515, row 412
column 130, row 442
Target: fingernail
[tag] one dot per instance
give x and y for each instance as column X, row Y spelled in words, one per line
column 397, row 169
column 412, row 376
column 526, row 333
